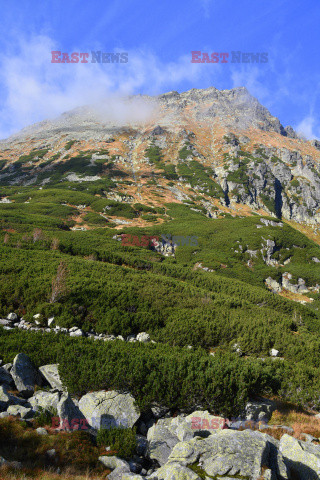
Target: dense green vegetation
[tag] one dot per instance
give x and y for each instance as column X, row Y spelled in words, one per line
column 154, row 155
column 112, row 288
column 122, row 441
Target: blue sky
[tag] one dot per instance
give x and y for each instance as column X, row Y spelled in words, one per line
column 159, row 38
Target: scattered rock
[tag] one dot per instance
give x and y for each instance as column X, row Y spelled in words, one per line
column 51, row 374
column 16, row 410
column 143, row 337
column 45, row 400
column 25, row 375
column 107, row 409
column 41, row 431
column 260, row 410
column 113, row 462
column 174, row 471
column 301, row 457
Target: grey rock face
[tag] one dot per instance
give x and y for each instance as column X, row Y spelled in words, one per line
column 174, row 471
column 167, row 432
column 260, row 411
column 45, row 400
column 113, row 462
column 118, row 473
column 109, row 409
column 69, row 414
column 143, row 337
column 301, row 457
column 51, row 374
column 25, row 375
column 16, row 410
column 230, row 453
column 41, row 431
column 161, row 441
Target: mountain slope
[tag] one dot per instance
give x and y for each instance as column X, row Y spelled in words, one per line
column 221, row 150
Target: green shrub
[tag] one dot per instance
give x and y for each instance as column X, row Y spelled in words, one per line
column 122, row 441
column 43, row 417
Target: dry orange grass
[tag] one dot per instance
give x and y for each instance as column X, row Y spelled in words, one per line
column 302, row 421
column 8, row 473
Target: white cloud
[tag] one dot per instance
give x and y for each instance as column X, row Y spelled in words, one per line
column 309, row 128
column 35, row 89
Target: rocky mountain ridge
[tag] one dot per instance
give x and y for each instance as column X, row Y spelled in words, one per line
column 219, row 150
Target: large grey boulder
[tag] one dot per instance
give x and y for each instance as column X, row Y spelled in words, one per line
column 174, row 471
column 51, row 374
column 231, row 453
column 25, row 375
column 301, row 457
column 45, row 400
column 118, row 473
column 161, row 441
column 113, row 462
column 69, row 414
column 16, row 410
column 260, row 410
column 167, row 432
column 107, row 409
column 198, row 423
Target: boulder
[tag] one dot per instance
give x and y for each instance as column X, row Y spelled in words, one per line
column 45, row 400
column 12, row 317
column 113, row 462
column 51, row 374
column 16, row 410
column 161, row 441
column 231, row 453
column 5, row 377
column 174, row 471
column 50, row 321
column 118, row 473
column 41, row 431
column 107, row 409
column 260, row 410
column 5, row 323
column 76, row 333
column 142, row 445
column 25, row 375
column 143, row 337
column 274, row 352
column 302, row 458
column 69, row 415
column 168, row 432
column 51, row 453
column 131, row 476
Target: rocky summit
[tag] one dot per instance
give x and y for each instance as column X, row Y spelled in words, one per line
column 222, row 147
